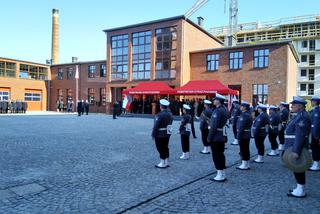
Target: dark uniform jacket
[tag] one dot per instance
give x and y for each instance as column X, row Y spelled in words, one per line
column 315, row 122
column 235, row 114
column 275, row 121
column 218, row 121
column 162, row 120
column 260, row 124
column 205, row 118
column 297, row 132
column 186, row 119
column 284, row 115
column 79, row 106
column 244, row 126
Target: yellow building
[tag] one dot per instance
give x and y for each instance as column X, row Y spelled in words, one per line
column 24, row 81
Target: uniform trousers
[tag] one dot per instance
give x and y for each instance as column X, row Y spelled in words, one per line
column 300, row 177
column 185, row 143
column 219, row 160
column 273, row 140
column 244, row 149
column 204, row 136
column 192, row 128
column 162, row 147
column 234, row 128
column 281, row 136
column 315, row 147
column 260, row 144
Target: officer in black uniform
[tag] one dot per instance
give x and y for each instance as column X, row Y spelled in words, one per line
column 79, row 108
column 204, row 124
column 284, row 116
column 315, row 133
column 86, row 107
column 275, row 121
column 1, row 106
column 244, row 134
column 162, row 130
column 184, row 130
column 297, row 134
column 260, row 130
column 217, row 136
column 235, row 114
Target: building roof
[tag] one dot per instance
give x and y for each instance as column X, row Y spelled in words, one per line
column 165, row 20
column 78, row 63
column 255, row 44
column 29, row 62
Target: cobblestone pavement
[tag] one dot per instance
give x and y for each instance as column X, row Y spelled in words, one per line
column 94, row 164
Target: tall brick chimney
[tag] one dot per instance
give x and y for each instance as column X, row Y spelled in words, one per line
column 55, row 37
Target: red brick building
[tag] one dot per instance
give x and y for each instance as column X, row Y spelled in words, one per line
column 91, row 84
column 264, row 73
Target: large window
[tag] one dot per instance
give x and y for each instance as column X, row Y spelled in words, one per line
column 311, row 89
column 304, row 58
column 312, row 45
column 235, row 60
column 103, row 70
column 43, row 73
column 166, row 46
column 32, row 97
column 24, row 71
column 119, row 57
column 69, row 73
column 91, row 95
column 4, row 95
column 261, row 58
column 69, row 94
column 10, row 69
column 103, row 96
column 33, row 72
column 303, row 87
column 60, row 74
column 91, row 71
column 212, row 62
column 303, row 73
column 311, row 74
column 141, row 55
column 311, row 59
column 260, row 94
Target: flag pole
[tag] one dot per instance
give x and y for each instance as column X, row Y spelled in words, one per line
column 77, row 84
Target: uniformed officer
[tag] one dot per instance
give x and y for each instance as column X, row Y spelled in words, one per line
column 217, row 136
column 184, row 130
column 315, row 133
column 86, row 107
column 235, row 114
column 297, row 133
column 79, row 108
column 1, row 106
column 204, row 124
column 162, row 131
column 244, row 134
column 259, row 131
column 275, row 121
column 284, row 116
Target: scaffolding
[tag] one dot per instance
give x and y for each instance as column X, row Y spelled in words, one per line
column 285, row 28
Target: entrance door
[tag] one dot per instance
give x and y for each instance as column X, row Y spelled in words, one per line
column 116, row 94
column 236, row 87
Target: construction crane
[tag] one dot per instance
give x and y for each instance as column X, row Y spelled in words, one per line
column 233, row 17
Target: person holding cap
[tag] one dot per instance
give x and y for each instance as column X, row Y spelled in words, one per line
column 184, row 130
column 243, row 135
column 284, row 116
column 235, row 114
column 274, row 130
column 260, row 130
column 217, row 137
column 297, row 134
column 162, row 131
column 204, row 124
column 315, row 133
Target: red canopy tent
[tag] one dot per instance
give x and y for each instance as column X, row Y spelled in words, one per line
column 152, row 88
column 204, row 87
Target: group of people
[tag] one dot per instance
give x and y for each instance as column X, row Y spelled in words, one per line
column 83, row 107
column 292, row 129
column 68, row 107
column 17, row 106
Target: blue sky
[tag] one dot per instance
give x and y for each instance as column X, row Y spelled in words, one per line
column 26, row 24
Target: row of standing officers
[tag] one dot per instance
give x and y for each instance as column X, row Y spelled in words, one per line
column 292, row 129
column 13, row 106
